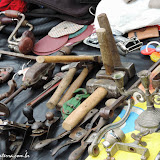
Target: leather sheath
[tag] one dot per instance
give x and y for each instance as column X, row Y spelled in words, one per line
column 144, row 33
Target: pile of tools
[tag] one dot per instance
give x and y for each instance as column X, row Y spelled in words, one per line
column 83, row 122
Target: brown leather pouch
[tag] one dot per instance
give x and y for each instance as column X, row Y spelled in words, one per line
column 144, row 33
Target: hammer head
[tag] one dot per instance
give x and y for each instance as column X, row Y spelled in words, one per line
column 109, row 85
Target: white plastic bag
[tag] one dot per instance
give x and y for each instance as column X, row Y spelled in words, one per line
column 126, row 17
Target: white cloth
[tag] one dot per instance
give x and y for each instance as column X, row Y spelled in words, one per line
column 126, row 17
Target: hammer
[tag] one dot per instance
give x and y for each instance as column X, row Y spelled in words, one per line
column 63, row 85
column 98, row 87
column 75, row 85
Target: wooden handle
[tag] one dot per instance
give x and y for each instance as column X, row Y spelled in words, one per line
column 75, row 85
column 12, row 13
column 77, row 153
column 61, row 88
column 105, row 51
column 79, row 113
column 5, row 20
column 104, row 23
column 62, row 59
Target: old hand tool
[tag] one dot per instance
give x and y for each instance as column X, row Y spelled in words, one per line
column 99, row 89
column 114, row 106
column 19, row 55
column 62, row 59
column 33, row 76
column 53, row 101
column 130, row 147
column 109, row 51
column 77, row 134
column 5, row 72
column 91, row 133
column 75, row 85
column 12, row 136
column 48, row 141
column 12, row 86
column 48, row 88
column 93, row 149
column 26, row 43
column 43, row 130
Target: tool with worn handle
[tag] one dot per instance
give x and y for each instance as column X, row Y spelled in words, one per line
column 75, row 85
column 44, row 143
column 49, row 87
column 100, row 88
column 53, row 101
column 91, row 133
column 12, row 86
column 77, row 134
column 26, row 42
column 110, row 42
column 33, row 76
column 62, row 59
column 5, row 72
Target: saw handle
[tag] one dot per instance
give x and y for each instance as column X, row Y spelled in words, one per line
column 79, row 113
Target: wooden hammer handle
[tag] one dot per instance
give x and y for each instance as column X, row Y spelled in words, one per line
column 78, row 114
column 104, row 23
column 105, row 51
column 61, row 59
column 61, row 88
column 75, row 85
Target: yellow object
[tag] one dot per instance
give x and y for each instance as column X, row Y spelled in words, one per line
column 152, row 140
column 155, row 56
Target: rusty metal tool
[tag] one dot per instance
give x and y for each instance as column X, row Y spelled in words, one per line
column 100, row 88
column 49, row 87
column 53, row 101
column 75, row 85
column 44, row 143
column 12, row 87
column 5, row 72
column 109, row 52
column 43, row 130
column 136, row 84
column 12, row 137
column 33, row 76
column 77, row 134
column 91, row 133
column 19, row 55
column 110, row 42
